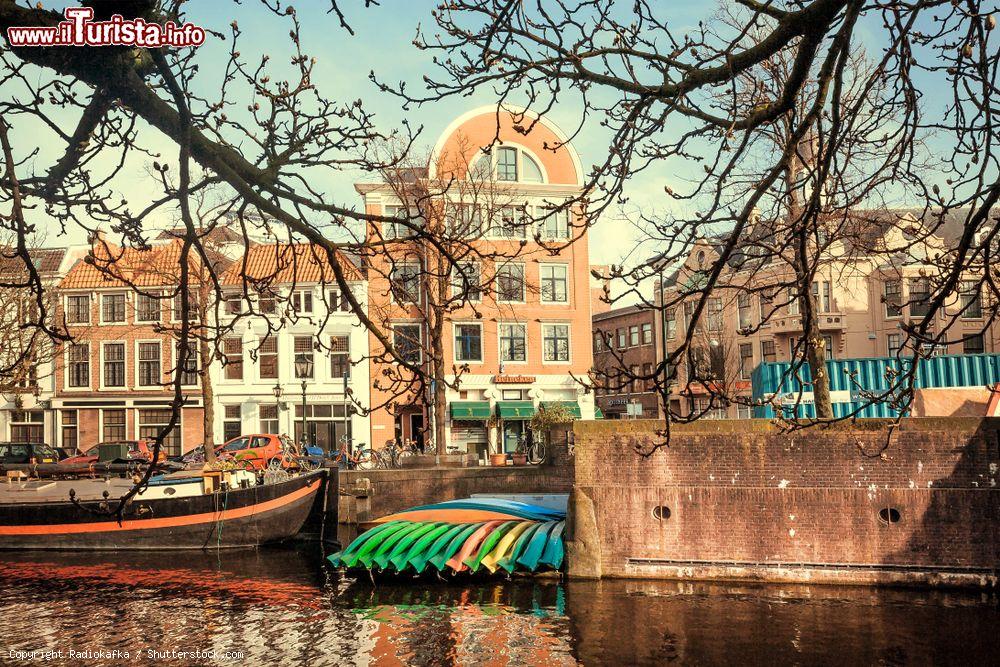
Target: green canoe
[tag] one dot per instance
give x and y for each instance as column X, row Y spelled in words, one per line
column 452, row 547
column 374, row 541
column 402, row 549
column 420, row 560
column 352, row 548
column 381, row 555
column 422, row 546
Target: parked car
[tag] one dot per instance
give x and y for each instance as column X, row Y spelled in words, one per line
column 27, row 452
column 256, row 451
column 66, row 452
column 137, row 450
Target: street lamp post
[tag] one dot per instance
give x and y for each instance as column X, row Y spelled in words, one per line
column 277, row 407
column 348, row 408
column 304, row 370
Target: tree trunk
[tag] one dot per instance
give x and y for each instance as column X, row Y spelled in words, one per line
column 207, row 390
column 816, row 357
column 440, row 407
column 815, row 346
column 208, row 400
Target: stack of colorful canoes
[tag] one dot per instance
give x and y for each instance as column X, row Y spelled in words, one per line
column 472, row 535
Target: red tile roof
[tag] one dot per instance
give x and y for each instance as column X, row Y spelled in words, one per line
column 279, row 263
column 46, row 260
column 108, row 265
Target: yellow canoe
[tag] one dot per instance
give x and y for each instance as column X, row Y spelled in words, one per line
column 491, row 560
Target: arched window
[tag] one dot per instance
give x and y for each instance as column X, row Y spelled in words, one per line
column 509, row 164
column 531, row 172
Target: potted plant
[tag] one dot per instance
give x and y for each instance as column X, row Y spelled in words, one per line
column 520, row 455
column 497, row 458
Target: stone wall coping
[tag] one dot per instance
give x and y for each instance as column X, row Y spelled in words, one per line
column 648, row 426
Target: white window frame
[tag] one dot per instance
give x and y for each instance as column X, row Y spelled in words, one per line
column 456, row 290
column 888, row 344
column 232, row 296
column 420, row 346
column 159, row 312
column 124, row 385
column 562, row 218
column 500, row 326
column 243, row 360
column 261, row 420
column 569, row 342
column 312, row 352
column 300, row 294
column 178, row 432
column 541, row 289
column 277, row 359
column 90, row 307
column 420, row 288
column 494, row 231
column 177, row 366
column 100, row 424
column 192, row 312
column 455, row 346
column 466, row 215
column 524, row 283
column 90, row 368
column 100, row 315
column 519, row 163
column 146, row 387
column 391, row 233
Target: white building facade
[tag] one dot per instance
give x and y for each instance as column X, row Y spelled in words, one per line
column 310, row 342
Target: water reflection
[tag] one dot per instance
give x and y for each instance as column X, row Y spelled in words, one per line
column 282, row 606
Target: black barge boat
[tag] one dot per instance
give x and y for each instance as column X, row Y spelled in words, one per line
column 183, row 515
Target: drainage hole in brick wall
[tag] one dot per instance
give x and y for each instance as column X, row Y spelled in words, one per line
column 888, row 515
column 661, row 512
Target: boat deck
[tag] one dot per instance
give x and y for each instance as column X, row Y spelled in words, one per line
column 49, row 490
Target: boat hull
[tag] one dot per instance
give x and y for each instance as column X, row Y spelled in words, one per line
column 234, row 519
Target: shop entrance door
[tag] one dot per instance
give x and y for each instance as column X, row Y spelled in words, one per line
column 513, row 431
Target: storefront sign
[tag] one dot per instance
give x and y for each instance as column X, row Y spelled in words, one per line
column 513, row 379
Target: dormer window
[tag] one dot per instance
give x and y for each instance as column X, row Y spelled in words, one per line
column 510, row 164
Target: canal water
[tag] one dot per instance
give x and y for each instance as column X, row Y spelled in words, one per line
column 281, row 606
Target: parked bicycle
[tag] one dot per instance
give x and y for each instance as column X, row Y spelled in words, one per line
column 360, row 459
column 533, row 446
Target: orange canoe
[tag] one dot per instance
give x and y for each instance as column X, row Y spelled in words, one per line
column 449, row 516
column 457, row 562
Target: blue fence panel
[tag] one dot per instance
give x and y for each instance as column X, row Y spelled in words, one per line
column 871, row 375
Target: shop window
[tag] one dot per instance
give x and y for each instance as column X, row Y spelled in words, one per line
column 113, row 423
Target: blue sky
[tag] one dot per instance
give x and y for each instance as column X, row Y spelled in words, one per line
column 383, row 42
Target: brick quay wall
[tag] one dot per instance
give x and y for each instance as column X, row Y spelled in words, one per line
column 742, row 500
column 370, row 494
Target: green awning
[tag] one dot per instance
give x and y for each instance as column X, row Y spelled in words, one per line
column 598, row 413
column 515, row 409
column 572, row 406
column 470, row 410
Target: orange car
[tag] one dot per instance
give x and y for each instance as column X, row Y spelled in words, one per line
column 256, row 451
